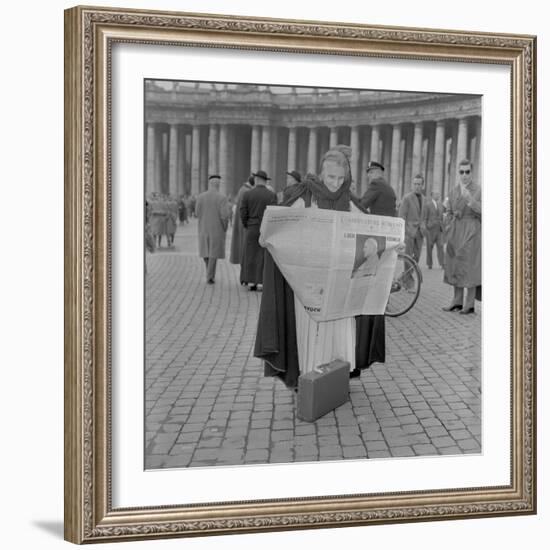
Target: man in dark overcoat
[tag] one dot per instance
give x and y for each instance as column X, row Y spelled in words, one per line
column 238, row 235
column 379, row 198
column 213, row 212
column 253, row 205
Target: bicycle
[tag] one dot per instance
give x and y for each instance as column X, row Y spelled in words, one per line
column 405, row 287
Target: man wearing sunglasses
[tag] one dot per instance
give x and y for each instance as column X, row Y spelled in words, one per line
column 463, row 253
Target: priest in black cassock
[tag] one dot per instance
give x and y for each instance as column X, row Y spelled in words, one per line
column 253, row 205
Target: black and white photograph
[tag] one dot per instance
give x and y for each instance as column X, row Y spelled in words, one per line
column 281, row 312
column 232, row 359
column 368, row 251
column 140, row 405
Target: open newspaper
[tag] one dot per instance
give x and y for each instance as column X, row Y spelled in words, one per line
column 339, row 264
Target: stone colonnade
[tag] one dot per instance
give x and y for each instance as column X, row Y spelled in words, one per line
column 179, row 157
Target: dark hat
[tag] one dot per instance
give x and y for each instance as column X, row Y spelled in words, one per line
column 295, row 175
column 374, row 164
column 214, row 176
column 261, row 174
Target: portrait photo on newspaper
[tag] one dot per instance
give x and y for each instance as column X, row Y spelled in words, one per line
column 312, row 262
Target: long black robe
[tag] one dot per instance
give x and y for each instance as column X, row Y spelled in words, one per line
column 253, row 205
column 237, row 237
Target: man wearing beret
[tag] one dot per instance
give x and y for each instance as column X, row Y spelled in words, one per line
column 213, row 212
column 253, row 205
column 379, row 198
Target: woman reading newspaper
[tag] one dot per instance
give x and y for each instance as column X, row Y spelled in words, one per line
column 287, row 339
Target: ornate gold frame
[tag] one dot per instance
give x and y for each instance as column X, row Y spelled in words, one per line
column 89, row 34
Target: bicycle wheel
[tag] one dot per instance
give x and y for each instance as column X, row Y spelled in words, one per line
column 405, row 287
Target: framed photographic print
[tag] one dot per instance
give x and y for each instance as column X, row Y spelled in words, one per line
column 300, row 274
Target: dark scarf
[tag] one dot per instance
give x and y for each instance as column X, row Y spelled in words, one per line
column 313, row 189
column 329, row 200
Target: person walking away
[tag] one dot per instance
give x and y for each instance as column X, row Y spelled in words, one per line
column 157, row 218
column 463, row 251
column 187, row 202
column 171, row 220
column 253, row 205
column 213, row 213
column 149, row 239
column 182, row 211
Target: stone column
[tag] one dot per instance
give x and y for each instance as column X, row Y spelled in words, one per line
column 276, row 164
column 408, row 164
column 385, row 154
column 417, row 149
column 255, row 149
column 424, row 163
column 188, row 150
column 158, row 159
column 478, row 171
column 291, row 164
column 395, row 149
column 439, row 157
column 213, row 149
column 312, row 151
column 430, row 161
column 454, row 156
column 355, row 158
column 462, row 140
column 195, row 160
column 224, row 172
column 173, row 161
column 323, row 141
column 266, row 149
column 233, row 182
column 447, row 165
column 150, row 173
column 333, row 139
column 203, row 178
column 375, row 143
column 181, row 161
column 365, row 152
column 401, row 183
column 471, row 154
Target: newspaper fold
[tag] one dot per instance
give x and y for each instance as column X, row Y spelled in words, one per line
column 339, row 264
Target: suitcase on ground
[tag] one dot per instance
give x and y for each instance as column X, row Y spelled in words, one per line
column 323, row 389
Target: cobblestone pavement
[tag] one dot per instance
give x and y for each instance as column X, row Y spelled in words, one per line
column 207, row 402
